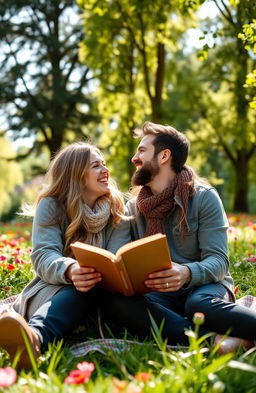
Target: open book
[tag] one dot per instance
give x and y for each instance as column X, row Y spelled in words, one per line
column 126, row 271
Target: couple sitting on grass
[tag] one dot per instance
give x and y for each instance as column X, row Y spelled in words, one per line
column 79, row 202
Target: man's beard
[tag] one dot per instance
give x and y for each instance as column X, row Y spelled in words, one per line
column 146, row 173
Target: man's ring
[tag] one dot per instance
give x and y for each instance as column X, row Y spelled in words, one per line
column 167, row 285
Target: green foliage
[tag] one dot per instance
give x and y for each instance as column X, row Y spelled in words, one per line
column 44, row 91
column 226, row 108
column 11, row 177
column 15, row 265
column 127, row 45
column 249, row 39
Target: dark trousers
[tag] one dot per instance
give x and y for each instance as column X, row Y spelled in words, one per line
column 69, row 308
column 177, row 310
column 66, row 310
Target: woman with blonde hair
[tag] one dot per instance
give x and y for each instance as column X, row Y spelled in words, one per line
column 78, row 203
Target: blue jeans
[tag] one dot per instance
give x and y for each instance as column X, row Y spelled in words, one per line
column 69, row 308
column 60, row 315
column 177, row 309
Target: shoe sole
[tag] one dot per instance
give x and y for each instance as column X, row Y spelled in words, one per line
column 12, row 340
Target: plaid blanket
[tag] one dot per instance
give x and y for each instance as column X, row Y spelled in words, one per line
column 117, row 345
column 248, row 301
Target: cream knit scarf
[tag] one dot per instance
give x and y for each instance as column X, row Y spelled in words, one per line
column 95, row 220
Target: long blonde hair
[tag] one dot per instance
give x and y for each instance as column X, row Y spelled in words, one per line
column 65, row 183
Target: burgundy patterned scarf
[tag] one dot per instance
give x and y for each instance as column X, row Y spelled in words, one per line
column 156, row 207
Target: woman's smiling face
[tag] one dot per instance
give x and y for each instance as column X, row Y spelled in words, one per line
column 96, row 182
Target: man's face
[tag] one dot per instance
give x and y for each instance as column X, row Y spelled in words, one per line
column 145, row 162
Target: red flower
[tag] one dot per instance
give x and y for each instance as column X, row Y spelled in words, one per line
column 7, row 376
column 10, row 266
column 13, row 243
column 236, row 290
column 75, row 377
column 2, row 258
column 81, row 375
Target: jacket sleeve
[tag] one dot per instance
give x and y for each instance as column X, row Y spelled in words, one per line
column 47, row 245
column 212, row 241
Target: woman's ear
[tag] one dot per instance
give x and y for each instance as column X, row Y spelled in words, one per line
column 165, row 155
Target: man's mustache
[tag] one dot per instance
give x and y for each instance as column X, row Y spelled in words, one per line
column 137, row 162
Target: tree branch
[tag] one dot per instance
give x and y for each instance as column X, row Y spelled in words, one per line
column 227, row 15
column 22, row 78
column 128, row 26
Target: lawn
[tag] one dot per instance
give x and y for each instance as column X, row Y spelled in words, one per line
column 140, row 367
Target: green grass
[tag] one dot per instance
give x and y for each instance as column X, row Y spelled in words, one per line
column 197, row 369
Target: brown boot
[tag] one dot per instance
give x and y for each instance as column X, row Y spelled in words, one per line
column 231, row 344
column 11, row 338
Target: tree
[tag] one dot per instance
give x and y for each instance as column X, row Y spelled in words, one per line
column 43, row 86
column 231, row 118
column 128, row 44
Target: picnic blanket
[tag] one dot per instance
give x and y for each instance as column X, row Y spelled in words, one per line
column 102, row 345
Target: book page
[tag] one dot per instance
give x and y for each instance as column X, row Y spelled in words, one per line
column 145, row 256
column 139, row 242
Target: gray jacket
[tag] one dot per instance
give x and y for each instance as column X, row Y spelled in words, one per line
column 204, row 244
column 47, row 258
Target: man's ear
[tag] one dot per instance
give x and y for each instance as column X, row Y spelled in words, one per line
column 165, row 155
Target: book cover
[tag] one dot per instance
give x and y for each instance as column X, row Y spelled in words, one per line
column 126, row 271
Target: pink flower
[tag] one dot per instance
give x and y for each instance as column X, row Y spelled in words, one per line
column 7, row 376
column 86, row 367
column 81, row 375
column 15, row 253
column 198, row 318
column 17, row 260
column 2, row 258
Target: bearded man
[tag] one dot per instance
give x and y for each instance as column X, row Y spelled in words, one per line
column 175, row 201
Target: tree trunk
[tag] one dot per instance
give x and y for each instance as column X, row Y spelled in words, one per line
column 241, row 167
column 55, row 143
column 159, row 81
column 243, row 155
